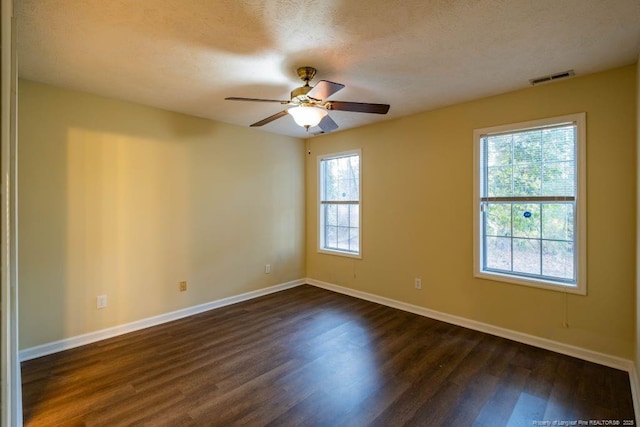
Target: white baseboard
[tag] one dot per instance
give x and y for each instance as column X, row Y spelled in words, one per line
column 558, row 347
column 77, row 341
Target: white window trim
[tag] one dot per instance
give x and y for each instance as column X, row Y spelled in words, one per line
column 581, row 204
column 320, row 213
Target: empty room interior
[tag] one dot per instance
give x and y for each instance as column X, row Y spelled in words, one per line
column 329, row 213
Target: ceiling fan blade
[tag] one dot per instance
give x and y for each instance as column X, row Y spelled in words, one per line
column 233, row 98
column 358, row 107
column 324, row 89
column 270, row 119
column 327, row 124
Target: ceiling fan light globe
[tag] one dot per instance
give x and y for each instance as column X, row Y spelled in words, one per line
column 307, row 116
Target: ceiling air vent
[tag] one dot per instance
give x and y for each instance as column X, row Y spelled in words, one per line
column 552, row 77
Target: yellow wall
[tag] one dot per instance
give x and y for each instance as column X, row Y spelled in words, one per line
column 417, row 206
column 125, row 200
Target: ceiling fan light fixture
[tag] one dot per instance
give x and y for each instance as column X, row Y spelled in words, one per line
column 307, row 116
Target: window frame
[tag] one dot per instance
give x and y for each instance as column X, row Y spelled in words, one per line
column 321, row 221
column 580, row 213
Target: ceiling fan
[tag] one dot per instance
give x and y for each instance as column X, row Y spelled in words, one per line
column 310, row 104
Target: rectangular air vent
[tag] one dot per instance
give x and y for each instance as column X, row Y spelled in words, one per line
column 552, row 77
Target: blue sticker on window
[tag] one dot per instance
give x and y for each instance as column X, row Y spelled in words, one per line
column 527, row 214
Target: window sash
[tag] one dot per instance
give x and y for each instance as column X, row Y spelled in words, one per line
column 545, row 263
column 341, row 234
column 518, row 162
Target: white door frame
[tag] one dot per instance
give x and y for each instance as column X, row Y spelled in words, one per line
column 10, row 373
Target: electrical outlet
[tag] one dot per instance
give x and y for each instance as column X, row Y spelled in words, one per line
column 417, row 282
column 101, row 301
column 183, row 286
column 267, row 268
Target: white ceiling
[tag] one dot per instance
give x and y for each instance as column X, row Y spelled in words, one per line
column 187, row 55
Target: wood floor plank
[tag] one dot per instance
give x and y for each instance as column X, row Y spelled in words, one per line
column 308, row 356
column 501, row 405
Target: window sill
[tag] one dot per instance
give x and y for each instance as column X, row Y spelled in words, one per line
column 340, row 253
column 541, row 284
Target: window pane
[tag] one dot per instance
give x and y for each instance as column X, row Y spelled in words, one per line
column 330, row 182
column 557, row 259
column 527, row 147
column 557, row 221
column 354, row 216
column 498, row 219
column 341, row 178
column 558, row 179
column 498, row 253
column 526, row 220
column 343, row 238
column 527, row 180
column 499, row 150
column 348, row 187
column 330, row 214
column 526, row 256
column 331, row 237
column 500, row 181
column 343, row 215
column 558, row 144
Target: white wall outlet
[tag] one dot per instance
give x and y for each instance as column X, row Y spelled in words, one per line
column 102, row 301
column 267, row 268
column 417, row 282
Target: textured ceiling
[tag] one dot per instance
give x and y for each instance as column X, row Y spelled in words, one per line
column 187, row 55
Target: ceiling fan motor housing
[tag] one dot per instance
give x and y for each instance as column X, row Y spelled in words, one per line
column 301, row 93
column 306, row 74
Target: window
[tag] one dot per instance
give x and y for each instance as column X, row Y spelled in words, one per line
column 530, row 207
column 339, row 189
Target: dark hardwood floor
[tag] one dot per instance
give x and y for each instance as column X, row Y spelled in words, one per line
column 307, row 356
